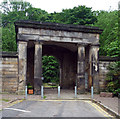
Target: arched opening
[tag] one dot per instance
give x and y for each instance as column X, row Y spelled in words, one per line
column 67, row 63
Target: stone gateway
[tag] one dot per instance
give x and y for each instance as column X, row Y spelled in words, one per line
column 76, row 48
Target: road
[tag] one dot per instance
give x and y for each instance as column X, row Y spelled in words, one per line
column 58, row 108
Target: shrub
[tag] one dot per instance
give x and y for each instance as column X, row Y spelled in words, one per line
column 50, row 69
column 113, row 78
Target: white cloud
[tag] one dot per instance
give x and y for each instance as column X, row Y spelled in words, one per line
column 58, row 5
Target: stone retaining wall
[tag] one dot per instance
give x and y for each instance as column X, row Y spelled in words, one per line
column 104, row 62
column 102, row 74
column 9, row 71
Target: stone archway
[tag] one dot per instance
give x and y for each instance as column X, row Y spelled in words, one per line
column 75, row 46
column 67, row 60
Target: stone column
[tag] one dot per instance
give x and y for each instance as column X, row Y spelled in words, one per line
column 94, row 67
column 22, row 66
column 81, row 69
column 38, row 67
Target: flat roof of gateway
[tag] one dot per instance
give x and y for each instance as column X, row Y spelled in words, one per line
column 57, row 26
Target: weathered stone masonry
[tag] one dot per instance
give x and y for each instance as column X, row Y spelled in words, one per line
column 9, row 71
column 76, row 48
column 68, row 43
column 104, row 62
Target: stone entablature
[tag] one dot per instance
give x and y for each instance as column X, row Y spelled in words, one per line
column 57, row 32
column 58, row 36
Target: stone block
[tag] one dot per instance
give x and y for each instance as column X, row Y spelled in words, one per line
column 106, row 94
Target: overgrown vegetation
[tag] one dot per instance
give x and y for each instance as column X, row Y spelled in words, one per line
column 113, row 78
column 109, row 42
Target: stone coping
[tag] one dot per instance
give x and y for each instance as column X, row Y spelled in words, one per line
column 9, row 54
column 108, row 58
column 57, row 26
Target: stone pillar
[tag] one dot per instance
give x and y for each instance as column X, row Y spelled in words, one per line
column 22, row 66
column 37, row 67
column 81, row 69
column 94, row 67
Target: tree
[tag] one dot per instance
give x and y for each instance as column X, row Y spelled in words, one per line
column 109, row 42
column 50, row 69
column 8, row 38
column 78, row 15
column 8, row 6
column 13, row 11
column 36, row 14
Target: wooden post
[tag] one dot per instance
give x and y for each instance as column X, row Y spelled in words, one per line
column 38, row 67
column 81, row 69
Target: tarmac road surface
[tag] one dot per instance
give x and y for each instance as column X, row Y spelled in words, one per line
column 55, row 108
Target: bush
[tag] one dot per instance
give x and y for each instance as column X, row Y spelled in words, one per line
column 113, row 78
column 50, row 69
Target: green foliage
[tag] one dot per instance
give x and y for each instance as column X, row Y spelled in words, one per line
column 8, row 38
column 21, row 10
column 5, row 100
column 44, row 97
column 36, row 14
column 8, row 6
column 109, row 42
column 78, row 15
column 113, row 78
column 50, row 69
column 29, row 86
column 12, row 12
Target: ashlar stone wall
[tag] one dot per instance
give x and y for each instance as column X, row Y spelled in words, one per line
column 9, row 73
column 104, row 62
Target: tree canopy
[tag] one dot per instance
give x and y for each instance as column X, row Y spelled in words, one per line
column 109, row 42
column 78, row 15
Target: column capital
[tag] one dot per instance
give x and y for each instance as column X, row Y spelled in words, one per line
column 94, row 45
column 82, row 44
column 38, row 42
column 22, row 42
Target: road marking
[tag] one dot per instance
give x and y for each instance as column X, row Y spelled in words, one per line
column 15, row 102
column 17, row 109
column 99, row 109
column 54, row 100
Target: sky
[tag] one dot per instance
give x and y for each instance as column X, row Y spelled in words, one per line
column 57, row 5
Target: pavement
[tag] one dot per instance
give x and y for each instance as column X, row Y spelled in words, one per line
column 111, row 103
column 55, row 108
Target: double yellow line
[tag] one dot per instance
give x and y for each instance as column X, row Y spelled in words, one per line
column 100, row 109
